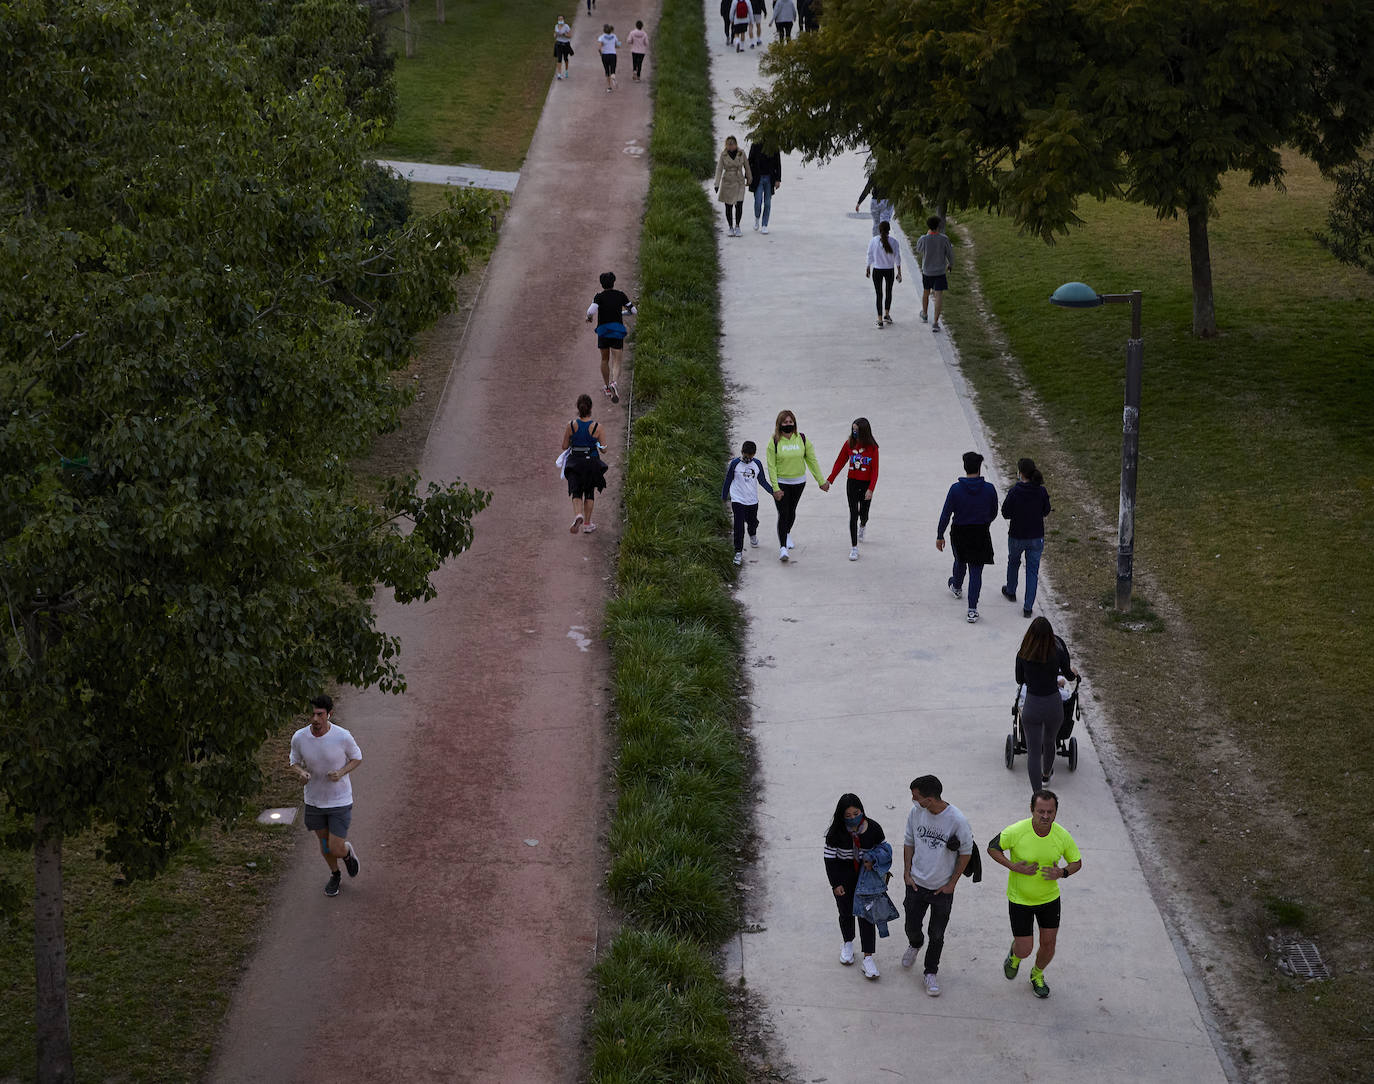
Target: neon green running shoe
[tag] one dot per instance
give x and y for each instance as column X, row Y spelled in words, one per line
column 1011, row 965
column 1038, row 986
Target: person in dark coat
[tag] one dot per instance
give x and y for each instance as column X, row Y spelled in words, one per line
column 765, row 173
column 970, row 507
column 1026, row 505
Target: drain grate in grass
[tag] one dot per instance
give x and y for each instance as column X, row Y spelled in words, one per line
column 1299, row 957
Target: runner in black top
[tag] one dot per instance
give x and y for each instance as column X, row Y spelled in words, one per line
column 607, row 309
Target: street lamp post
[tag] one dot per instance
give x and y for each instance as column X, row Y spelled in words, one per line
column 1076, row 295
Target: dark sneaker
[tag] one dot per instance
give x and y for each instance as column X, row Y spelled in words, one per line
column 957, row 592
column 1008, row 594
column 1026, row 613
column 351, row 861
column 1039, row 987
column 332, row 887
column 1011, row 965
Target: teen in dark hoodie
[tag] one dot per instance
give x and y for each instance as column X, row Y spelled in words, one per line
column 972, row 505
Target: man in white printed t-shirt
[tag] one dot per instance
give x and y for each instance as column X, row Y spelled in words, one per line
column 323, row 754
column 936, row 849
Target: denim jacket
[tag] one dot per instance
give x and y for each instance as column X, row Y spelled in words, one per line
column 871, row 901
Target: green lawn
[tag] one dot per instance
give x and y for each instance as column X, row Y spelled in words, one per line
column 472, row 93
column 1255, row 523
column 151, row 965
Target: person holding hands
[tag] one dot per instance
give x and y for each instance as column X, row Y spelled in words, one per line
column 743, row 477
column 790, row 456
column 860, row 452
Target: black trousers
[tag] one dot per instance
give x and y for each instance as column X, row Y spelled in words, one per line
column 746, row 515
column 787, row 508
column 868, row 933
column 882, row 278
column 915, row 904
column 854, row 490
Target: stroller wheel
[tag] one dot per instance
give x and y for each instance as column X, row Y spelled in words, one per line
column 1009, row 754
column 1073, row 754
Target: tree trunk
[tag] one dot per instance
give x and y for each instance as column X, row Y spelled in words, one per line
column 1200, row 255
column 50, row 958
column 409, row 32
column 439, row 10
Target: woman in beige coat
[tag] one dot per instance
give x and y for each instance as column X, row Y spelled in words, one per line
column 732, row 181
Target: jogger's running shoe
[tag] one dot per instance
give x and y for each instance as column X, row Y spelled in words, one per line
column 332, row 887
column 351, row 861
column 1038, row 986
column 1011, row 965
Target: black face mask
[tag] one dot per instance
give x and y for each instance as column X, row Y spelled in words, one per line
column 789, row 428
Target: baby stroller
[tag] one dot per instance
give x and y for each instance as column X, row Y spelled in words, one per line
column 1065, row 744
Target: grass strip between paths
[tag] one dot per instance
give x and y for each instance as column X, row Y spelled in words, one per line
column 662, row 1011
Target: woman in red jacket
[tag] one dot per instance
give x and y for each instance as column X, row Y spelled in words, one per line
column 860, row 451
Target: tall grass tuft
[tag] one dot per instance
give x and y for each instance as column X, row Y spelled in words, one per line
column 662, row 1011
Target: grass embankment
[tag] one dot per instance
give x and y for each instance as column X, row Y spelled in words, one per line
column 1243, row 722
column 473, row 92
column 662, row 1011
column 150, row 965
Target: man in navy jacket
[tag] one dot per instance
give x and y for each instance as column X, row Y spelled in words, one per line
column 972, row 505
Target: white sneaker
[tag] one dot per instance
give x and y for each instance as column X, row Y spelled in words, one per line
column 754, row 540
column 932, row 985
column 870, row 968
column 763, row 229
column 861, row 532
column 909, row 956
column 972, row 617
column 790, row 543
column 739, row 558
column 847, row 953
column 854, row 554
column 782, row 553
column 756, row 225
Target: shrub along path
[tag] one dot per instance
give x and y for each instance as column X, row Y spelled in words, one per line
column 462, row 950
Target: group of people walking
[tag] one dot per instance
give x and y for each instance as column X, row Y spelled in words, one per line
column 759, row 173
column 938, row 850
column 934, row 251
column 606, row 43
column 743, row 20
column 789, row 457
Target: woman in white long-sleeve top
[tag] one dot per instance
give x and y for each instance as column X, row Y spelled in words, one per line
column 884, row 259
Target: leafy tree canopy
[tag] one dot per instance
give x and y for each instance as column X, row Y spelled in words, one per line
column 1026, row 106
column 1349, row 231
column 200, row 326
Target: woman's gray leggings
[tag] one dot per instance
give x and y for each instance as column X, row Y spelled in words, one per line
column 1041, row 718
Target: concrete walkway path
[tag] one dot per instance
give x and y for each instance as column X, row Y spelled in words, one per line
column 457, row 176
column 866, row 674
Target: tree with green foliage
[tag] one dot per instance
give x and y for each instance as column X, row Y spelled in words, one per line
column 1025, row 107
column 200, row 327
column 1349, row 234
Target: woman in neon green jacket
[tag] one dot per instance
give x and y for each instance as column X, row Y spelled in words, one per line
column 789, row 456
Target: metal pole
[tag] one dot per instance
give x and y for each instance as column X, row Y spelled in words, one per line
column 1130, row 453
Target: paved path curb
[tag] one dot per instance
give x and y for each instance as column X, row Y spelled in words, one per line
column 457, row 176
column 866, row 674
